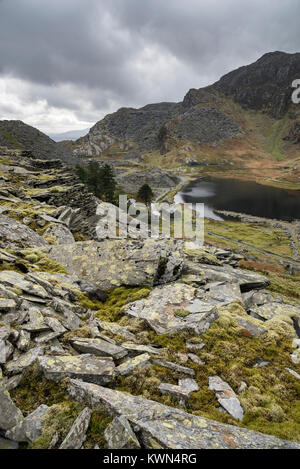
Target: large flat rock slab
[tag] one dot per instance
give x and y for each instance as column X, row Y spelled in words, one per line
column 86, row 367
column 160, row 426
column 135, row 262
column 174, row 307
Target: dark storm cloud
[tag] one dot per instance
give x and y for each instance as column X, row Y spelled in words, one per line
column 89, row 57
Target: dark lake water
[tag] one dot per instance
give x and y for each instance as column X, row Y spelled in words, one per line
column 243, row 197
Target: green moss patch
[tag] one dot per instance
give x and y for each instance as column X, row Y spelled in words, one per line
column 111, row 310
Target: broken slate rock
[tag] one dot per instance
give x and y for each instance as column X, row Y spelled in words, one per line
column 98, row 347
column 23, row 341
column 141, row 361
column 119, row 435
column 270, row 310
column 251, row 329
column 173, row 390
column 77, row 434
column 30, row 428
column 174, row 366
column 189, row 384
column 135, row 349
column 160, row 426
column 15, row 367
column 294, row 373
column 226, row 397
column 7, row 305
column 86, row 367
column 10, row 415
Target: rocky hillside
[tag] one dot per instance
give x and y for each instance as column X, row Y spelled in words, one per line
column 246, row 122
column 133, row 343
column 264, row 85
column 16, row 134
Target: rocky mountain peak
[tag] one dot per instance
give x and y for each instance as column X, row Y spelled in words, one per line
column 264, row 85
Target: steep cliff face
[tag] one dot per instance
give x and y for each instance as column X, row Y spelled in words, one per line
column 264, row 85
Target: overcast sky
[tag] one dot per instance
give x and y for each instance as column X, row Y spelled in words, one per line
column 64, row 64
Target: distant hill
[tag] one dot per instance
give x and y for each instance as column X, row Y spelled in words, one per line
column 70, row 135
column 17, row 134
column 247, row 114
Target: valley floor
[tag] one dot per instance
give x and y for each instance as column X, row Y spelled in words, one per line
column 156, row 343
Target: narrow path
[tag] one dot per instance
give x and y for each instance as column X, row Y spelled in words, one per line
column 286, row 260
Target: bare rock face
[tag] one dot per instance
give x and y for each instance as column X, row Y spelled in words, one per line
column 265, row 84
column 15, row 235
column 160, row 426
column 137, row 262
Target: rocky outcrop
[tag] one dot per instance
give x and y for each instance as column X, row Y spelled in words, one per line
column 135, row 262
column 264, row 85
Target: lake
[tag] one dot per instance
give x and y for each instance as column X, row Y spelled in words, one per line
column 243, row 197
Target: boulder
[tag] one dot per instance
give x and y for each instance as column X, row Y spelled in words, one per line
column 135, row 263
column 61, row 233
column 173, row 307
column 160, row 426
column 86, row 367
column 15, row 235
column 30, row 428
column 18, row 365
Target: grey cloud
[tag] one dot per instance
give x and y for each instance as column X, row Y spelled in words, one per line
column 87, row 56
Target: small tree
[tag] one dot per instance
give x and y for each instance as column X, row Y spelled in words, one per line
column 81, row 173
column 94, row 178
column 108, row 183
column 145, row 194
column 100, row 180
